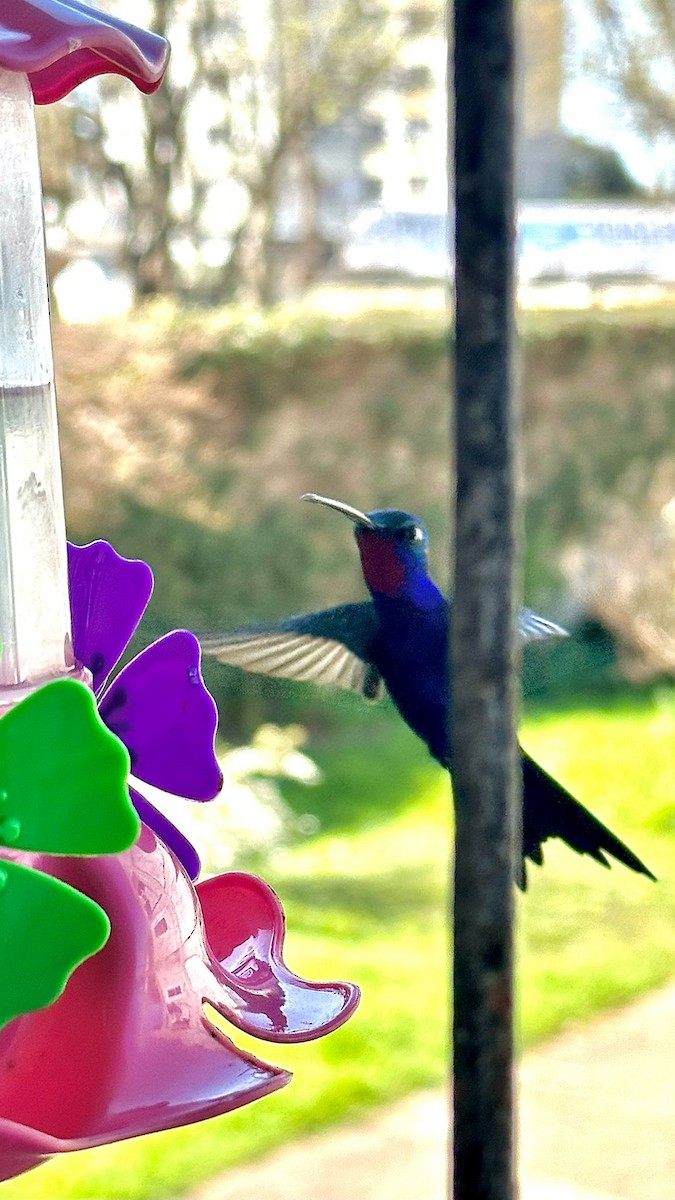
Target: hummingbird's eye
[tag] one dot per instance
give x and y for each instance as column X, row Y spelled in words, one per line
column 413, row 533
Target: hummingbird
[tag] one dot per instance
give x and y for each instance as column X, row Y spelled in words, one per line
column 398, row 641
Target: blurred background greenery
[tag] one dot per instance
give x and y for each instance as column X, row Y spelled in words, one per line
column 251, row 370
column 201, row 431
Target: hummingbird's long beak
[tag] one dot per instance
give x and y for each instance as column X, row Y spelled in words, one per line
column 354, row 514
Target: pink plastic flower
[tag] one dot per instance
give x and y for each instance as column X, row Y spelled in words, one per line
column 128, row 1048
column 60, row 43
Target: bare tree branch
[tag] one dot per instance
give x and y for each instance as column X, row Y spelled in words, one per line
column 237, row 116
column 636, row 55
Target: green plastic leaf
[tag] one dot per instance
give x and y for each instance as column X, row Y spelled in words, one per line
column 46, row 930
column 63, row 776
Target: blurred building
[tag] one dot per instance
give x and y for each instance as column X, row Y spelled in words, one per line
column 543, row 146
column 393, row 152
column 403, row 159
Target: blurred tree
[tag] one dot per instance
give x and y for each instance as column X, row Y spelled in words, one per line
column 310, row 66
column 58, row 151
column 198, row 170
column 592, row 172
column 636, row 54
column 135, row 153
column 626, row 578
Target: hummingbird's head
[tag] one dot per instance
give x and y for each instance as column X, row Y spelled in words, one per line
column 393, row 544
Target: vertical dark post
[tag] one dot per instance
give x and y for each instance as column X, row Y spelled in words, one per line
column 483, row 639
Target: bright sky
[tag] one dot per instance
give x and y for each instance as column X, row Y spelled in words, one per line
column 593, row 112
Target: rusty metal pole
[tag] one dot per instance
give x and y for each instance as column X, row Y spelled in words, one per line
column 483, row 650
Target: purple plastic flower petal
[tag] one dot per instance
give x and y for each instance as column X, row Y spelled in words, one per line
column 60, row 43
column 160, row 708
column 108, row 596
column 166, row 830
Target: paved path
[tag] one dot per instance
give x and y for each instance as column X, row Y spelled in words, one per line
column 597, row 1122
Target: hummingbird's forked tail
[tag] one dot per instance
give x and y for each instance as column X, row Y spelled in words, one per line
column 550, row 811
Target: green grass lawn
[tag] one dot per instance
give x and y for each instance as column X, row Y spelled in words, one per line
column 367, row 901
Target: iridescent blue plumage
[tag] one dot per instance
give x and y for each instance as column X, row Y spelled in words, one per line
column 400, row 639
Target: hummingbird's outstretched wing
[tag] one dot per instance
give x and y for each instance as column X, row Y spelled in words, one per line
column 333, row 646
column 533, row 628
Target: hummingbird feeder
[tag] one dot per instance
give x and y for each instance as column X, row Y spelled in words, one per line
column 110, row 952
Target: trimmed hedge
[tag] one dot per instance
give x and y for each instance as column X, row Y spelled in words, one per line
column 188, row 438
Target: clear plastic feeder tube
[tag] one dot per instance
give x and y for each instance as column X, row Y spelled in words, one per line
column 34, row 605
